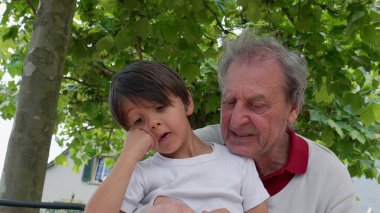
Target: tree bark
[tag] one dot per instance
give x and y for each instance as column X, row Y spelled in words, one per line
column 28, row 148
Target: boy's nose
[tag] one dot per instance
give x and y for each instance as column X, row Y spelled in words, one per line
column 155, row 124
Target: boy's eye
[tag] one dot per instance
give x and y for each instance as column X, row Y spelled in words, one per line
column 160, row 108
column 138, row 121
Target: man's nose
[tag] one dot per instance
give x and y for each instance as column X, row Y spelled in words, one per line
column 239, row 115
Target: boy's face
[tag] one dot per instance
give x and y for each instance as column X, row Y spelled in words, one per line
column 167, row 124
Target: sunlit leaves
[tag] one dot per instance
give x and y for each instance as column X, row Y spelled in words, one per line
column 370, row 113
column 105, row 43
column 123, row 39
column 61, row 160
column 339, row 40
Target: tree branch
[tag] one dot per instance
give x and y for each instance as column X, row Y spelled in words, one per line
column 326, row 7
column 138, row 47
column 77, row 80
column 218, row 22
column 31, row 6
column 102, row 69
column 109, row 137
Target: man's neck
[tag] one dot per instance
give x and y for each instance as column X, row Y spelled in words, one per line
column 275, row 158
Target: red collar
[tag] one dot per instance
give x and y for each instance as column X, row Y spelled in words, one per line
column 297, row 164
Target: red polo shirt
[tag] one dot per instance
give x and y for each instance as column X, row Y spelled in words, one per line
column 297, row 164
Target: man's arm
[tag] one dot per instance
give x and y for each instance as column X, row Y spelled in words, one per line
column 343, row 196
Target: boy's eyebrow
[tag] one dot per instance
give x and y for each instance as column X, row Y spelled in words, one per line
column 127, row 112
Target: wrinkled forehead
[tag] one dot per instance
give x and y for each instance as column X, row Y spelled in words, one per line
column 254, row 77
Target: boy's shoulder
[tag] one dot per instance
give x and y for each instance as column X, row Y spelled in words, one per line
column 222, row 149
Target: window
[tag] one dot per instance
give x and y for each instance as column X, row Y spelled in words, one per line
column 101, row 170
column 96, row 170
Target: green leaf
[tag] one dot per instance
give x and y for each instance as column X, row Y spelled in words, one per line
column 369, row 34
column 61, row 160
column 356, row 20
column 144, row 28
column 105, row 43
column 308, row 19
column 253, row 11
column 123, row 39
column 109, row 162
column 357, row 136
column 322, row 95
column 328, row 138
column 316, row 116
column 58, row 140
column 370, row 113
column 355, row 169
column 90, row 108
column 354, row 100
column 376, row 111
column 12, row 33
column 212, row 103
column 336, row 127
column 189, row 71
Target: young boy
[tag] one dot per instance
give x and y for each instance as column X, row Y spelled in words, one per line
column 152, row 103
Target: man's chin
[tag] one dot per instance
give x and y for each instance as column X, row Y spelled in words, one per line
column 244, row 151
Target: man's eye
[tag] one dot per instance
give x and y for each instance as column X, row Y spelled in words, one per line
column 259, row 108
column 229, row 102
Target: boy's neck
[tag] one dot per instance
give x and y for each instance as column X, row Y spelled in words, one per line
column 193, row 147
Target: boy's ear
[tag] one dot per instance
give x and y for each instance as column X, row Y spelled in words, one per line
column 190, row 106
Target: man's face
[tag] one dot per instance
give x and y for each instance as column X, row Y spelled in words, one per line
column 255, row 112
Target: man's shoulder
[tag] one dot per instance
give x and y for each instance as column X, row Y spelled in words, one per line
column 322, row 160
column 210, row 133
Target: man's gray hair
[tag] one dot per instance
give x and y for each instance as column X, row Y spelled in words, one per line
column 248, row 46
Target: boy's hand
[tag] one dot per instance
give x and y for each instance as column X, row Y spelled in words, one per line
column 138, row 142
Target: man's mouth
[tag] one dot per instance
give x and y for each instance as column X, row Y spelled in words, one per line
column 241, row 134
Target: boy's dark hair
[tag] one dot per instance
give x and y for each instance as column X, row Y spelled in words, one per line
column 145, row 80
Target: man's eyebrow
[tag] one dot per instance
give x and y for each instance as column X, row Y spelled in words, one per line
column 227, row 95
column 257, row 97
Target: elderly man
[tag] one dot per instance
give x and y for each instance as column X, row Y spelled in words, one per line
column 262, row 86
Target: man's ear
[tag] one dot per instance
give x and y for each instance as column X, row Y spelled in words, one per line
column 190, row 106
column 295, row 110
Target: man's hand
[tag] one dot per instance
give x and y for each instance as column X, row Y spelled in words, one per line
column 169, row 205
column 223, row 210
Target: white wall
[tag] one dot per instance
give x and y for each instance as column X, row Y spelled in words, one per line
column 61, row 183
column 368, row 192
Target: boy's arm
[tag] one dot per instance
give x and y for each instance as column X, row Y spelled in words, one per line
column 109, row 196
column 261, row 208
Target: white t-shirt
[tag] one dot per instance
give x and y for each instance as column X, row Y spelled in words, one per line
column 205, row 182
column 326, row 187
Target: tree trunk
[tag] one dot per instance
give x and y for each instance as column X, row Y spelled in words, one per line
column 28, row 148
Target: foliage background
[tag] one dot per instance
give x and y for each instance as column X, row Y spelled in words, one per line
column 338, row 38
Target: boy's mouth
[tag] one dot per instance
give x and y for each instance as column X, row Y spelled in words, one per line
column 163, row 136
